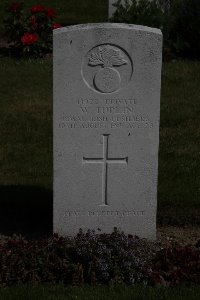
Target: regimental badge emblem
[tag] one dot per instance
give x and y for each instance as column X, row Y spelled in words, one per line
column 107, row 68
column 107, row 79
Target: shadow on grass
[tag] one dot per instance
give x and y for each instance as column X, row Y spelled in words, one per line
column 26, row 210
column 5, row 52
column 9, row 52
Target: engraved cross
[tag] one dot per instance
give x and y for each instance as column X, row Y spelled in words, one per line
column 105, row 160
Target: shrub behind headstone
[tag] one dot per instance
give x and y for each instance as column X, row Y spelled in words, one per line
column 179, row 21
column 183, row 32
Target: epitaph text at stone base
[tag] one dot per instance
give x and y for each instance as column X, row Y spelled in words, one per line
column 106, row 128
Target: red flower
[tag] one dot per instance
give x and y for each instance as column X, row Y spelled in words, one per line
column 29, row 38
column 37, row 9
column 15, row 7
column 33, row 22
column 50, row 12
column 55, row 26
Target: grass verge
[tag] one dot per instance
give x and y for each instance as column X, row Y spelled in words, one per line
column 179, row 159
column 26, row 134
column 60, row 292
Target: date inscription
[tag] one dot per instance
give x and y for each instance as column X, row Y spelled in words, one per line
column 107, row 113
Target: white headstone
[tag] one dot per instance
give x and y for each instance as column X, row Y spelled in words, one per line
column 106, row 128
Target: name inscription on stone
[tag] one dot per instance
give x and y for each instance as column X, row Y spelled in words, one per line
column 106, row 113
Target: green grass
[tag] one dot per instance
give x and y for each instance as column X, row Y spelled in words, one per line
column 59, row 292
column 68, row 11
column 26, row 155
column 26, row 122
column 179, row 157
column 26, row 132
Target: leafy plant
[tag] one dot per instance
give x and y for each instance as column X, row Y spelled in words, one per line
column 176, row 265
column 93, row 258
column 114, row 257
column 142, row 12
column 179, row 21
column 183, row 27
column 86, row 258
column 30, row 32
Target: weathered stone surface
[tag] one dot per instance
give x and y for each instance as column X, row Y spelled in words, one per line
column 106, row 128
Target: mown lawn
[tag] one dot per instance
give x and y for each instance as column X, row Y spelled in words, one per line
column 26, row 133
column 179, row 156
column 26, row 155
column 59, row 292
column 26, row 122
column 26, row 130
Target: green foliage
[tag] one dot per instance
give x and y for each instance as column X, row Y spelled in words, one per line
column 113, row 257
column 183, row 27
column 69, row 12
column 30, row 32
column 143, row 12
column 46, row 260
column 176, row 265
column 179, row 21
column 91, row 258
column 87, row 258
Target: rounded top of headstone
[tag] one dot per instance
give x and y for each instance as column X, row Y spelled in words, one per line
column 90, row 26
